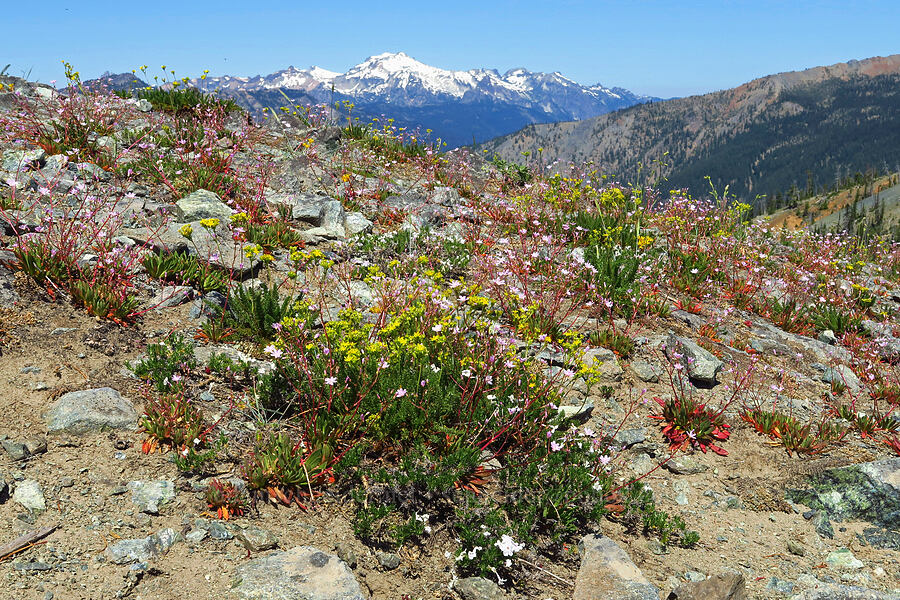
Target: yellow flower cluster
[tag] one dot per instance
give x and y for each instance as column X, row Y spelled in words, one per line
column 210, row 223
column 186, row 230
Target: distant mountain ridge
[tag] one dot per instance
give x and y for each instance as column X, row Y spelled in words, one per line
column 759, row 138
column 457, row 105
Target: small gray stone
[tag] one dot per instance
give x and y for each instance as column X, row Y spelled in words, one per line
column 202, row 204
column 204, row 354
column 259, row 538
column 606, row 363
column 445, row 196
column 150, row 495
column 309, row 213
column 16, row 450
column 195, row 536
column 681, row 489
column 843, row 559
column 14, row 161
column 355, row 223
column 607, row 572
column 209, row 306
column 578, row 412
column 780, row 585
column 171, row 296
column 29, row 495
column 685, row 465
column 62, row 330
column 35, row 446
column 388, row 560
column 828, row 337
column 631, row 437
column 478, row 588
column 796, row 548
column 91, row 410
column 142, row 549
column 33, row 566
column 346, row 553
column 218, row 530
column 301, row 573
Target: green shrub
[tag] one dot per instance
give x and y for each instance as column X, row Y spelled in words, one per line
column 167, row 362
column 619, row 343
column 183, row 98
column 251, row 311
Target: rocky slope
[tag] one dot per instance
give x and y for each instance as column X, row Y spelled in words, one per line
column 377, row 228
column 758, row 138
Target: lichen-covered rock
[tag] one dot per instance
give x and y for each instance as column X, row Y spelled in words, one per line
column 150, row 495
column 202, row 204
column 701, row 366
column 843, row 592
column 142, row 549
column 608, row 573
column 727, row 586
column 29, row 495
column 301, row 573
column 87, row 411
column 865, row 492
column 478, row 588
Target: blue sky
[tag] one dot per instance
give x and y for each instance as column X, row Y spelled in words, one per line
column 654, row 47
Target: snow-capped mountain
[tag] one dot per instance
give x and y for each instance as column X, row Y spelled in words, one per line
column 458, row 105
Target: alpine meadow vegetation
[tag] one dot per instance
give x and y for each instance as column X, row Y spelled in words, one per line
column 433, row 344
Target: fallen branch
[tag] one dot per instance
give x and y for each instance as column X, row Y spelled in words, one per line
column 25, row 541
column 556, row 577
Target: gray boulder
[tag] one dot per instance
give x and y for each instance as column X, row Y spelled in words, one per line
column 202, row 204
column 727, row 586
column 214, row 246
column 14, row 161
column 701, row 366
column 842, row 375
column 646, row 371
column 865, row 492
column 301, row 573
column 91, row 410
column 605, row 361
column 204, row 354
column 170, row 296
column 608, row 573
column 302, row 207
column 331, row 222
column 478, row 588
column 445, row 196
column 29, row 495
column 142, row 549
column 827, row 591
column 150, row 495
column 355, row 223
